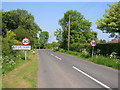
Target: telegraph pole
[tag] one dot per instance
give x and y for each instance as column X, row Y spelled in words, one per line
column 69, row 34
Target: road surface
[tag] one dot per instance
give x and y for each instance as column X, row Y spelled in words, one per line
column 58, row 70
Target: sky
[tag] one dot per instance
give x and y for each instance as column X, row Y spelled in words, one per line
column 47, row 14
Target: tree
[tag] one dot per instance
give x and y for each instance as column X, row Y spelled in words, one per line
column 44, row 36
column 80, row 31
column 16, row 25
column 111, row 21
column 21, row 23
column 53, row 45
column 58, row 34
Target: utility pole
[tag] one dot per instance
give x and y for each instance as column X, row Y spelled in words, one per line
column 69, row 34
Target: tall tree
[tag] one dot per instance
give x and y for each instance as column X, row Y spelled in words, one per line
column 111, row 21
column 21, row 23
column 44, row 36
column 80, row 31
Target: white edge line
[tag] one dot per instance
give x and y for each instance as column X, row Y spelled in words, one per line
column 92, row 78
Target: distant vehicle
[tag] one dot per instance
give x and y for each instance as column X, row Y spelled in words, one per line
column 38, row 47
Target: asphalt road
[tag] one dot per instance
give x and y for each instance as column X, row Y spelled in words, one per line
column 58, row 70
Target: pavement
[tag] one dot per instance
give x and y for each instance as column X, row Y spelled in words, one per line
column 57, row 70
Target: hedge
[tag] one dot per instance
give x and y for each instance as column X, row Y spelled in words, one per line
column 101, row 49
column 108, row 48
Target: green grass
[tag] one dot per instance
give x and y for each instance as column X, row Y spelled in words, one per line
column 23, row 76
column 0, row 78
column 0, row 74
column 102, row 60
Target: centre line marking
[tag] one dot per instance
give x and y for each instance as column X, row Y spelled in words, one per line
column 58, row 58
column 52, row 54
column 92, row 78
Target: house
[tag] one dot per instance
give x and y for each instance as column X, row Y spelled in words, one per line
column 115, row 40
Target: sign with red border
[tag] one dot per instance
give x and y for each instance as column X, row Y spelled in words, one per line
column 25, row 41
column 93, row 43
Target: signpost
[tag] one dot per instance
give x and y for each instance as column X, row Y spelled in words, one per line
column 93, row 43
column 25, row 46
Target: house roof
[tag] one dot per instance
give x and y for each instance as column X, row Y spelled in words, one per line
column 115, row 40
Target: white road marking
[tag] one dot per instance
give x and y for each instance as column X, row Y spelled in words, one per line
column 92, row 78
column 58, row 57
column 52, row 54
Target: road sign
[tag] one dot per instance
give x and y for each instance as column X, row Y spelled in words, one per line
column 93, row 43
column 21, row 47
column 25, row 41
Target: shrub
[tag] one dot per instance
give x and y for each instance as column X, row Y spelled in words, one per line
column 109, row 49
column 10, row 57
column 80, row 47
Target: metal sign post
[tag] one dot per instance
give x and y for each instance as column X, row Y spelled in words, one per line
column 92, row 51
column 93, row 44
column 25, row 55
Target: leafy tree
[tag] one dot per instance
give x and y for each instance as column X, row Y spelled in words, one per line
column 58, row 34
column 80, row 31
column 53, row 45
column 21, row 23
column 7, row 42
column 44, row 36
column 16, row 25
column 111, row 21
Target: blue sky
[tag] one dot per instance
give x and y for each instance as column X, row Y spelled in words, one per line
column 47, row 14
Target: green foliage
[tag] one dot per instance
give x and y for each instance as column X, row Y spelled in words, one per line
column 16, row 25
column 108, row 48
column 21, row 23
column 101, row 41
column 10, row 57
column 53, row 45
column 111, row 21
column 44, row 36
column 58, row 34
column 80, row 31
column 107, row 61
column 80, row 47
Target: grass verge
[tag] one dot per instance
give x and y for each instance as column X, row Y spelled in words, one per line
column 23, row 76
column 102, row 60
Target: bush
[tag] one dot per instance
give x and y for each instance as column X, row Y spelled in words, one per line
column 10, row 57
column 108, row 49
column 80, row 47
column 62, row 50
